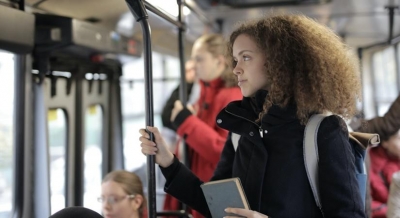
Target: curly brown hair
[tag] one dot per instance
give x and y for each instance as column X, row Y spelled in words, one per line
column 307, row 64
column 216, row 45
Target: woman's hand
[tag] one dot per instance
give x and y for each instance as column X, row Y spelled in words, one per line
column 178, row 107
column 244, row 213
column 191, row 109
column 163, row 156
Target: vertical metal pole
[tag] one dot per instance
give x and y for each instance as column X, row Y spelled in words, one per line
column 139, row 12
column 181, row 31
column 78, row 191
column 19, row 135
column 360, row 58
column 116, row 135
column 23, row 138
column 397, row 59
column 19, row 130
column 373, row 85
column 21, row 5
column 151, row 176
column 183, row 85
column 391, row 7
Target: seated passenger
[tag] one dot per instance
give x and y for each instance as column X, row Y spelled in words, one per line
column 76, row 212
column 122, row 195
column 384, row 162
column 385, row 126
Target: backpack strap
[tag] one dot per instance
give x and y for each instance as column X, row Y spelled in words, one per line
column 310, row 149
column 235, row 140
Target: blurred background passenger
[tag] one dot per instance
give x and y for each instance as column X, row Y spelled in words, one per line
column 190, row 76
column 122, row 195
column 218, row 87
column 385, row 126
column 192, row 93
column 384, row 162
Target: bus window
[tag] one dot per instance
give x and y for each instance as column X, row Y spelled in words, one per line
column 173, row 69
column 166, row 73
column 6, row 132
column 133, row 111
column 133, row 101
column 93, row 157
column 384, row 70
column 134, row 159
column 57, row 125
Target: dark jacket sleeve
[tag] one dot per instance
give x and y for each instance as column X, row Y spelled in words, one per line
column 185, row 186
column 387, row 125
column 338, row 184
column 169, row 105
column 167, row 110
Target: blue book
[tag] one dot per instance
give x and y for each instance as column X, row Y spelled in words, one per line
column 222, row 194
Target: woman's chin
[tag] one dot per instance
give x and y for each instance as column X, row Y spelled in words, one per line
column 247, row 93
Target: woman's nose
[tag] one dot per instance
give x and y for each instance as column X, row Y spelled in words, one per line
column 237, row 70
column 106, row 205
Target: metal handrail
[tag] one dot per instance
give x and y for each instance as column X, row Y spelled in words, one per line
column 161, row 13
column 138, row 10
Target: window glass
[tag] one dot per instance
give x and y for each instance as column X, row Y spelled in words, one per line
column 384, row 70
column 133, row 98
column 57, row 126
column 6, row 132
column 134, row 111
column 158, row 68
column 135, row 69
column 173, row 69
column 135, row 161
column 93, row 156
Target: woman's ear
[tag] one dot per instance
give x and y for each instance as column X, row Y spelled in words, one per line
column 221, row 60
column 137, row 201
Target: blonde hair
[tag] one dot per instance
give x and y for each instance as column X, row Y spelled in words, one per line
column 307, row 64
column 216, row 45
column 129, row 182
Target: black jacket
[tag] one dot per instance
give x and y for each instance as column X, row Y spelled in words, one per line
column 169, row 105
column 271, row 165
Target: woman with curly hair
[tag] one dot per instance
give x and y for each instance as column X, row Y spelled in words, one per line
column 289, row 67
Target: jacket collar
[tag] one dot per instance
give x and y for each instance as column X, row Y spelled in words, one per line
column 216, row 83
column 250, row 107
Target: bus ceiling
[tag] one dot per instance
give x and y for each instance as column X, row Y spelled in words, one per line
column 17, row 30
column 80, row 38
column 269, row 3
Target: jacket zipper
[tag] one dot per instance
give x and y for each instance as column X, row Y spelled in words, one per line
column 260, row 130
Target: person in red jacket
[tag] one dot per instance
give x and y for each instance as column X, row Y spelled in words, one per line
column 385, row 161
column 205, row 140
